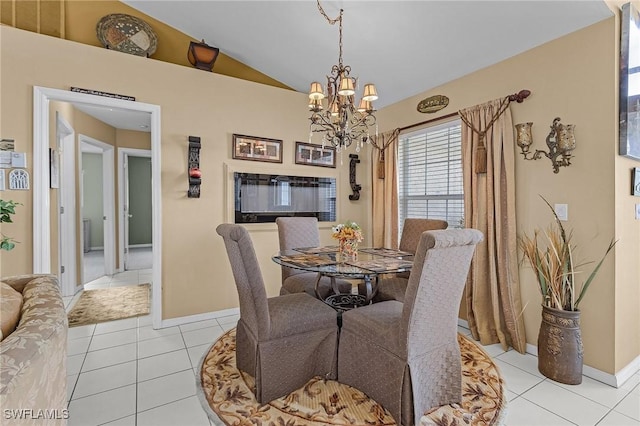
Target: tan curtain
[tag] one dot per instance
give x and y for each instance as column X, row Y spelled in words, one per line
column 492, row 294
column 384, row 159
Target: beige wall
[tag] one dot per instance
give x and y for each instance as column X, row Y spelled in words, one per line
column 196, row 276
column 574, row 78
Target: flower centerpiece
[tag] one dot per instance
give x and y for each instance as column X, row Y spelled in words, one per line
column 348, row 234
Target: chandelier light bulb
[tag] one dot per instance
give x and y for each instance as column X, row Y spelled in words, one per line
column 370, row 92
column 364, row 106
column 346, row 87
column 316, row 92
column 315, row 104
column 334, row 109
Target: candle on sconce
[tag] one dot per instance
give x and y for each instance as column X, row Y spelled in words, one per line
column 524, row 138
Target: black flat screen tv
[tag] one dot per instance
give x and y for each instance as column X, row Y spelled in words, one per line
column 261, row 198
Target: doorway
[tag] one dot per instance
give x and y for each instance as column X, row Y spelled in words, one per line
column 97, row 206
column 134, row 196
column 42, row 97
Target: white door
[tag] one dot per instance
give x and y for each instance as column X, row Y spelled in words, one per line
column 126, row 215
column 62, row 177
column 106, row 152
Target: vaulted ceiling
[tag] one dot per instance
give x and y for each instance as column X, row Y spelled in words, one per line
column 404, row 47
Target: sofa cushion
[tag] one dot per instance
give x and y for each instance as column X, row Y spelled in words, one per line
column 10, row 306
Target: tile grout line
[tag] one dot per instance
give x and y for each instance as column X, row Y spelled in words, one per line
column 587, row 398
column 547, row 410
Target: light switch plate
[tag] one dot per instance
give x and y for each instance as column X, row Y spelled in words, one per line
column 562, row 210
column 637, row 211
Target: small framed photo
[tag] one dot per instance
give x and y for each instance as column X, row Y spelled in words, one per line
column 635, row 181
column 257, row 149
column 315, row 155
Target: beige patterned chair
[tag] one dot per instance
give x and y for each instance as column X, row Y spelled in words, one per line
column 394, row 287
column 406, row 355
column 33, row 358
column 282, row 341
column 296, row 232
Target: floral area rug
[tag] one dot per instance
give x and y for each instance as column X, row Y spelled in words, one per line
column 225, row 394
column 108, row 304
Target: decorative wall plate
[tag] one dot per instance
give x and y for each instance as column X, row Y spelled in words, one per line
column 128, row 34
column 433, row 104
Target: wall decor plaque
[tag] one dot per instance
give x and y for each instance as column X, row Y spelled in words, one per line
column 128, row 34
column 433, row 104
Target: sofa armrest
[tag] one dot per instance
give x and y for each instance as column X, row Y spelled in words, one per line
column 17, row 282
column 33, row 359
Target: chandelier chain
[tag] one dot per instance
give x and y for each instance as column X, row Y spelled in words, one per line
column 332, row 22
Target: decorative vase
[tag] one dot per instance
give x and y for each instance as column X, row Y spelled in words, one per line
column 348, row 250
column 560, row 346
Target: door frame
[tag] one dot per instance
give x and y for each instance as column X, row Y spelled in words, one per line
column 67, row 249
column 42, row 96
column 122, row 180
column 108, row 197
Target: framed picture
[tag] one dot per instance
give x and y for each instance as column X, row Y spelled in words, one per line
column 315, row 155
column 635, row 181
column 257, row 149
column 54, row 169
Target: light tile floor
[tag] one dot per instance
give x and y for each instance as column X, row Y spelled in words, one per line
column 125, row 373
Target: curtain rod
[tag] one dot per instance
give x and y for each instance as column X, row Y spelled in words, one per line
column 517, row 97
column 427, row 121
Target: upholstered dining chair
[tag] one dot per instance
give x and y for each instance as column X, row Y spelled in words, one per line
column 394, row 287
column 296, row 232
column 281, row 341
column 406, row 355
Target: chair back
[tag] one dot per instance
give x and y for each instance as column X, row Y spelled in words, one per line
column 434, row 291
column 413, row 229
column 294, row 232
column 254, row 310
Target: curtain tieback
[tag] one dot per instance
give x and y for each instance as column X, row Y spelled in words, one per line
column 481, row 150
column 481, row 154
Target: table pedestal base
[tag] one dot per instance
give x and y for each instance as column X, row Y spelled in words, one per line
column 344, row 302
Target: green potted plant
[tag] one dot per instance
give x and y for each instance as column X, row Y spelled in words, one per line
column 7, row 209
column 557, row 274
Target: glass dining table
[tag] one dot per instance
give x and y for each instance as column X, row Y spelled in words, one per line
column 367, row 266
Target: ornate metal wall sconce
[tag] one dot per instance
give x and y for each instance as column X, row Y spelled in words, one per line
column 561, row 142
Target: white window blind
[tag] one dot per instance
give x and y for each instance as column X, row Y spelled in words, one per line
column 430, row 174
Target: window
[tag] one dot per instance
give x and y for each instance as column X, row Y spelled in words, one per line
column 430, row 174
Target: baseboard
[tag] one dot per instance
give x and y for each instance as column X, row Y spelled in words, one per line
column 614, row 380
column 172, row 322
column 627, row 371
column 98, row 248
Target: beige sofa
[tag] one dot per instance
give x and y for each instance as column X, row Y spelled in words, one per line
column 33, row 358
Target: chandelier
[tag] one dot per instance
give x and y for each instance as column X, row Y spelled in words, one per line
column 338, row 118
